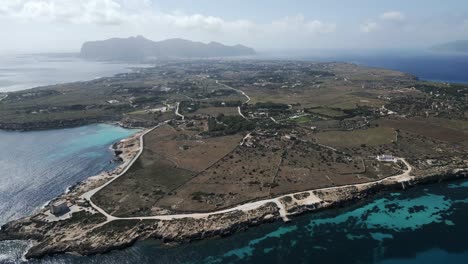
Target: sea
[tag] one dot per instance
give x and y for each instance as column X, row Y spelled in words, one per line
column 424, row 224
column 24, row 71
column 425, row 64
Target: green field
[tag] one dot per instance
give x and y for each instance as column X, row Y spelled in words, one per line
column 371, row 136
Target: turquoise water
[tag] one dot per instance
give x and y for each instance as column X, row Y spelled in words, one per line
column 38, row 166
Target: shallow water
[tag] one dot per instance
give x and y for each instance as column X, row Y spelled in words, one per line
column 38, row 166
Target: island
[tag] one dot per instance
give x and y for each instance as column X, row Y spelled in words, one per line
column 229, row 144
column 458, row 46
column 141, row 49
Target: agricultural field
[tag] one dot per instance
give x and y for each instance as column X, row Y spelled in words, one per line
column 370, row 136
column 447, row 130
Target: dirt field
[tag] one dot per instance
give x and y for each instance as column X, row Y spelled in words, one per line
column 371, row 136
column 243, row 175
column 214, row 111
column 171, row 157
column 179, row 171
column 436, row 130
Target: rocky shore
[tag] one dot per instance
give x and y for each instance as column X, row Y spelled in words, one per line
column 55, row 124
column 89, row 232
column 124, row 122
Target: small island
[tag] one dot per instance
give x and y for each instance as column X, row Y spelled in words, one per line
column 458, row 46
column 230, row 144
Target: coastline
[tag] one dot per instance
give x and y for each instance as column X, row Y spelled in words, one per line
column 181, row 228
column 102, row 234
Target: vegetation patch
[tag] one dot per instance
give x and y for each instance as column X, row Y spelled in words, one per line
column 371, row 136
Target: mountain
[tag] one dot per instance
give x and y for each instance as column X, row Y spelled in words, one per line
column 454, row 46
column 142, row 49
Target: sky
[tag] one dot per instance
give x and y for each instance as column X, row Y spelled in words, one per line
column 63, row 25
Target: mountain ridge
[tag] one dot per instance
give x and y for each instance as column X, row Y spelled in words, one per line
column 140, row 48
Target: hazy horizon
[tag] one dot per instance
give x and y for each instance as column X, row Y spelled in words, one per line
column 63, row 25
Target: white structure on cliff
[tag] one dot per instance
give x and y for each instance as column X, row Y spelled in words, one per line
column 386, row 158
column 59, row 207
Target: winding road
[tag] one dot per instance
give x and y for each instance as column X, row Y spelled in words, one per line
column 239, row 91
column 177, row 112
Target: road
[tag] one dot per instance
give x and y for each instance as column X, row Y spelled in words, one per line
column 90, row 193
column 239, row 91
column 4, row 97
column 240, row 113
column 177, row 112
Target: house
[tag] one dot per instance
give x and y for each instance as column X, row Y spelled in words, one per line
column 59, row 207
column 112, row 101
column 386, row 158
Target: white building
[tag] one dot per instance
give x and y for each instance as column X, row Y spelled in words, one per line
column 59, row 207
column 386, row 158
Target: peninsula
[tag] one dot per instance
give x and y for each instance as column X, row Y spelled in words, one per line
column 227, row 145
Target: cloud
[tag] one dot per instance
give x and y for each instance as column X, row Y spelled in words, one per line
column 393, row 16
column 65, row 11
column 199, row 22
column 116, row 12
column 82, row 20
column 390, row 20
column 300, row 23
column 369, row 27
column 131, row 17
column 465, row 25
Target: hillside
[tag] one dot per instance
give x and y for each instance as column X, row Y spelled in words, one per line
column 141, row 49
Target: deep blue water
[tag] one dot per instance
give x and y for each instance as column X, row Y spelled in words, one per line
column 426, row 65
